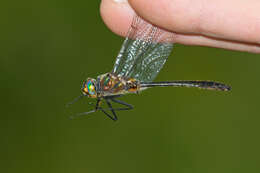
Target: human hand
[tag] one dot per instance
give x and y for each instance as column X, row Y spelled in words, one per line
column 228, row 24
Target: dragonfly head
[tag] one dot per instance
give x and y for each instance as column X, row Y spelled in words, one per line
column 89, row 88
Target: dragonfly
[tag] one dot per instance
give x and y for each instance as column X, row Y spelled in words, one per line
column 143, row 54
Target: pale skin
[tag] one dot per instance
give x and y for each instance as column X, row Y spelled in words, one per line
column 228, row 24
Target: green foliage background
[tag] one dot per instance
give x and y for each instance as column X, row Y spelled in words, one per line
column 49, row 47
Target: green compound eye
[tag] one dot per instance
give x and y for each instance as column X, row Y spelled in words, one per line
column 91, row 88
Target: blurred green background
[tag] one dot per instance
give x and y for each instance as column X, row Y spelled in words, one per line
column 49, row 47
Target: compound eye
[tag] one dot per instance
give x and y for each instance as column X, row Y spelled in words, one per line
column 91, row 88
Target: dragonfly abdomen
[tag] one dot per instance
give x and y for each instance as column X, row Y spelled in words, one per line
column 209, row 85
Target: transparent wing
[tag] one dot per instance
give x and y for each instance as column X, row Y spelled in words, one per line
column 144, row 51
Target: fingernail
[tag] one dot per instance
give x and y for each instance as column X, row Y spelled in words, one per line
column 120, row 1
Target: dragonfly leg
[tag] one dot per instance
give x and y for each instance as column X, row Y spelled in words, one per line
column 81, row 114
column 103, row 110
column 97, row 104
column 110, row 108
column 86, row 113
column 128, row 106
column 107, row 114
column 114, row 117
column 98, row 107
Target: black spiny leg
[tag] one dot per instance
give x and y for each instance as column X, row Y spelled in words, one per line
column 114, row 117
column 128, row 106
column 86, row 113
column 103, row 110
column 97, row 104
column 108, row 99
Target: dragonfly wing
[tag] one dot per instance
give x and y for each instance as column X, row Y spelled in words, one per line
column 144, row 51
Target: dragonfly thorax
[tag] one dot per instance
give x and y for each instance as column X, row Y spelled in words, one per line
column 111, row 84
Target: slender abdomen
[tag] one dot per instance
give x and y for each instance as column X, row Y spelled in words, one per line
column 209, row 85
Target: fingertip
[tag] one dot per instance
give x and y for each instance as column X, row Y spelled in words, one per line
column 172, row 15
column 220, row 19
column 117, row 15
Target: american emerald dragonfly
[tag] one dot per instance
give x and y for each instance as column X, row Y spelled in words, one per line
column 142, row 56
